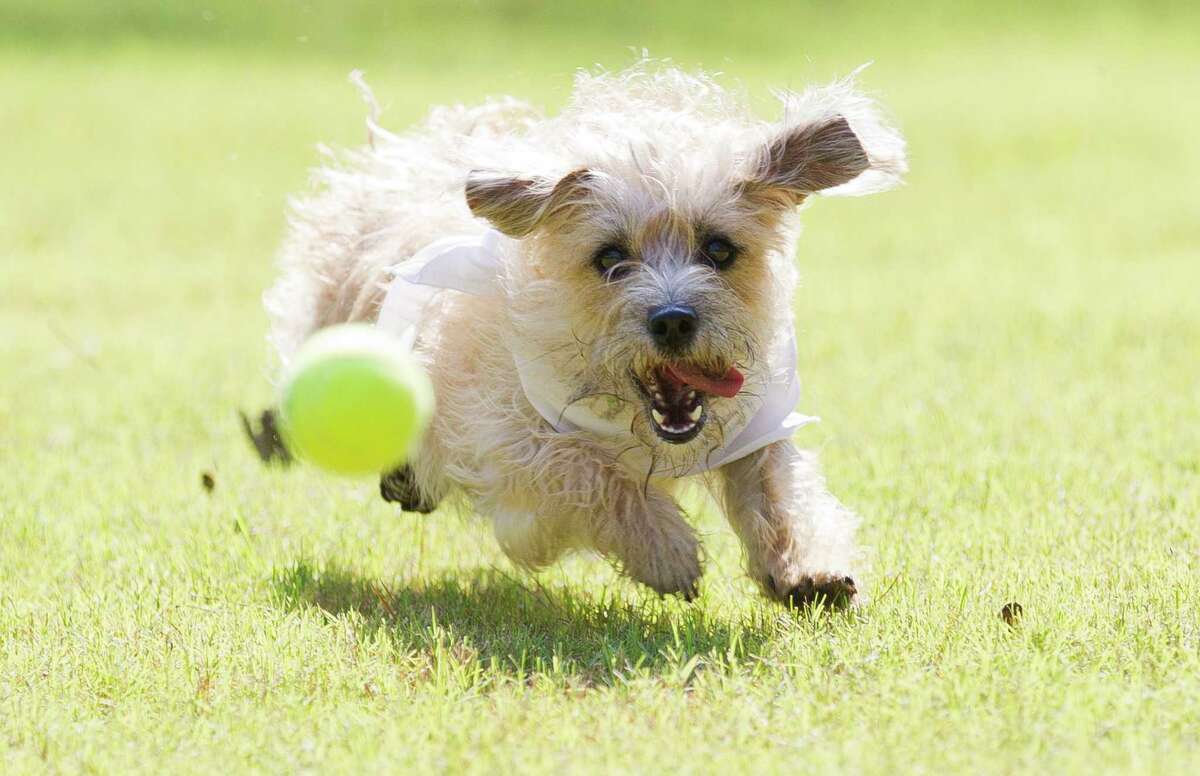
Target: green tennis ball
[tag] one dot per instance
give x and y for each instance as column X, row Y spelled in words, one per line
column 354, row 401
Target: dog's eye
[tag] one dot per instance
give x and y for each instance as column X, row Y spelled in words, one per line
column 610, row 261
column 719, row 252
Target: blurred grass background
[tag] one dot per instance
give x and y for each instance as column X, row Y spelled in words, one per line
column 1004, row 354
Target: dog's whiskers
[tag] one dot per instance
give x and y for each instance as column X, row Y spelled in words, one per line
column 548, row 353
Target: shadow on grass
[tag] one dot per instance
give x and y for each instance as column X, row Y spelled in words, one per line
column 518, row 628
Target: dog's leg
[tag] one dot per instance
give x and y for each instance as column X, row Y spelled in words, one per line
column 578, row 499
column 400, row 486
column 644, row 530
column 799, row 540
column 535, row 541
column 266, row 438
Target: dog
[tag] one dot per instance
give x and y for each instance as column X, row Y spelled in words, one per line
column 603, row 301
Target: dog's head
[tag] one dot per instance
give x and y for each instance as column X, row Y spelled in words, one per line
column 656, row 270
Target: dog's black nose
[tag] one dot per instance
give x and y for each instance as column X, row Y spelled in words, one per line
column 672, row 326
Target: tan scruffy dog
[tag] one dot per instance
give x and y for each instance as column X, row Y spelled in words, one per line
column 603, row 300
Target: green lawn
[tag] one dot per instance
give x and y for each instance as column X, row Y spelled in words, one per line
column 1005, row 354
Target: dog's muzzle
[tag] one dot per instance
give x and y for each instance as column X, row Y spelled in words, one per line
column 677, row 397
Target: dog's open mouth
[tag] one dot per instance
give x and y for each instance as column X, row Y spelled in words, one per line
column 677, row 395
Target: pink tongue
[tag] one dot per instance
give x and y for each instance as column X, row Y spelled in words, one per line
column 727, row 386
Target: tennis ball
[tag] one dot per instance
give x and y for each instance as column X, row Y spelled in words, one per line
column 354, row 401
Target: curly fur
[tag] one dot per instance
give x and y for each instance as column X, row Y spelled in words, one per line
column 655, row 160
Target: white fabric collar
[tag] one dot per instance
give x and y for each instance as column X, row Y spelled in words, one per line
column 473, row 264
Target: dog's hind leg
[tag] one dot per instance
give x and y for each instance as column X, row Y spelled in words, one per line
column 400, row 486
column 799, row 540
column 266, row 438
column 531, row 541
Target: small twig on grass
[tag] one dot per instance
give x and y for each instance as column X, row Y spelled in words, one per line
column 384, row 597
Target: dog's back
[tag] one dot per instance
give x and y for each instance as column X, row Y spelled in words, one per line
column 374, row 208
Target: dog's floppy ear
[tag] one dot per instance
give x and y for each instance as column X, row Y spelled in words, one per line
column 833, row 141
column 810, row 158
column 516, row 205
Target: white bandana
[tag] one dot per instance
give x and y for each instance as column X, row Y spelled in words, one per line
column 473, row 265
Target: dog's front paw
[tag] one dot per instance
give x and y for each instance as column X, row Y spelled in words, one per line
column 669, row 565
column 833, row 591
column 827, row 590
column 682, row 580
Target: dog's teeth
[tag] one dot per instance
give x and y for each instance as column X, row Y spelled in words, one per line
column 659, row 418
column 696, row 412
column 658, row 397
column 691, row 395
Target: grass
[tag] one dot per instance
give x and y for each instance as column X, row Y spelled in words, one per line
column 1004, row 354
